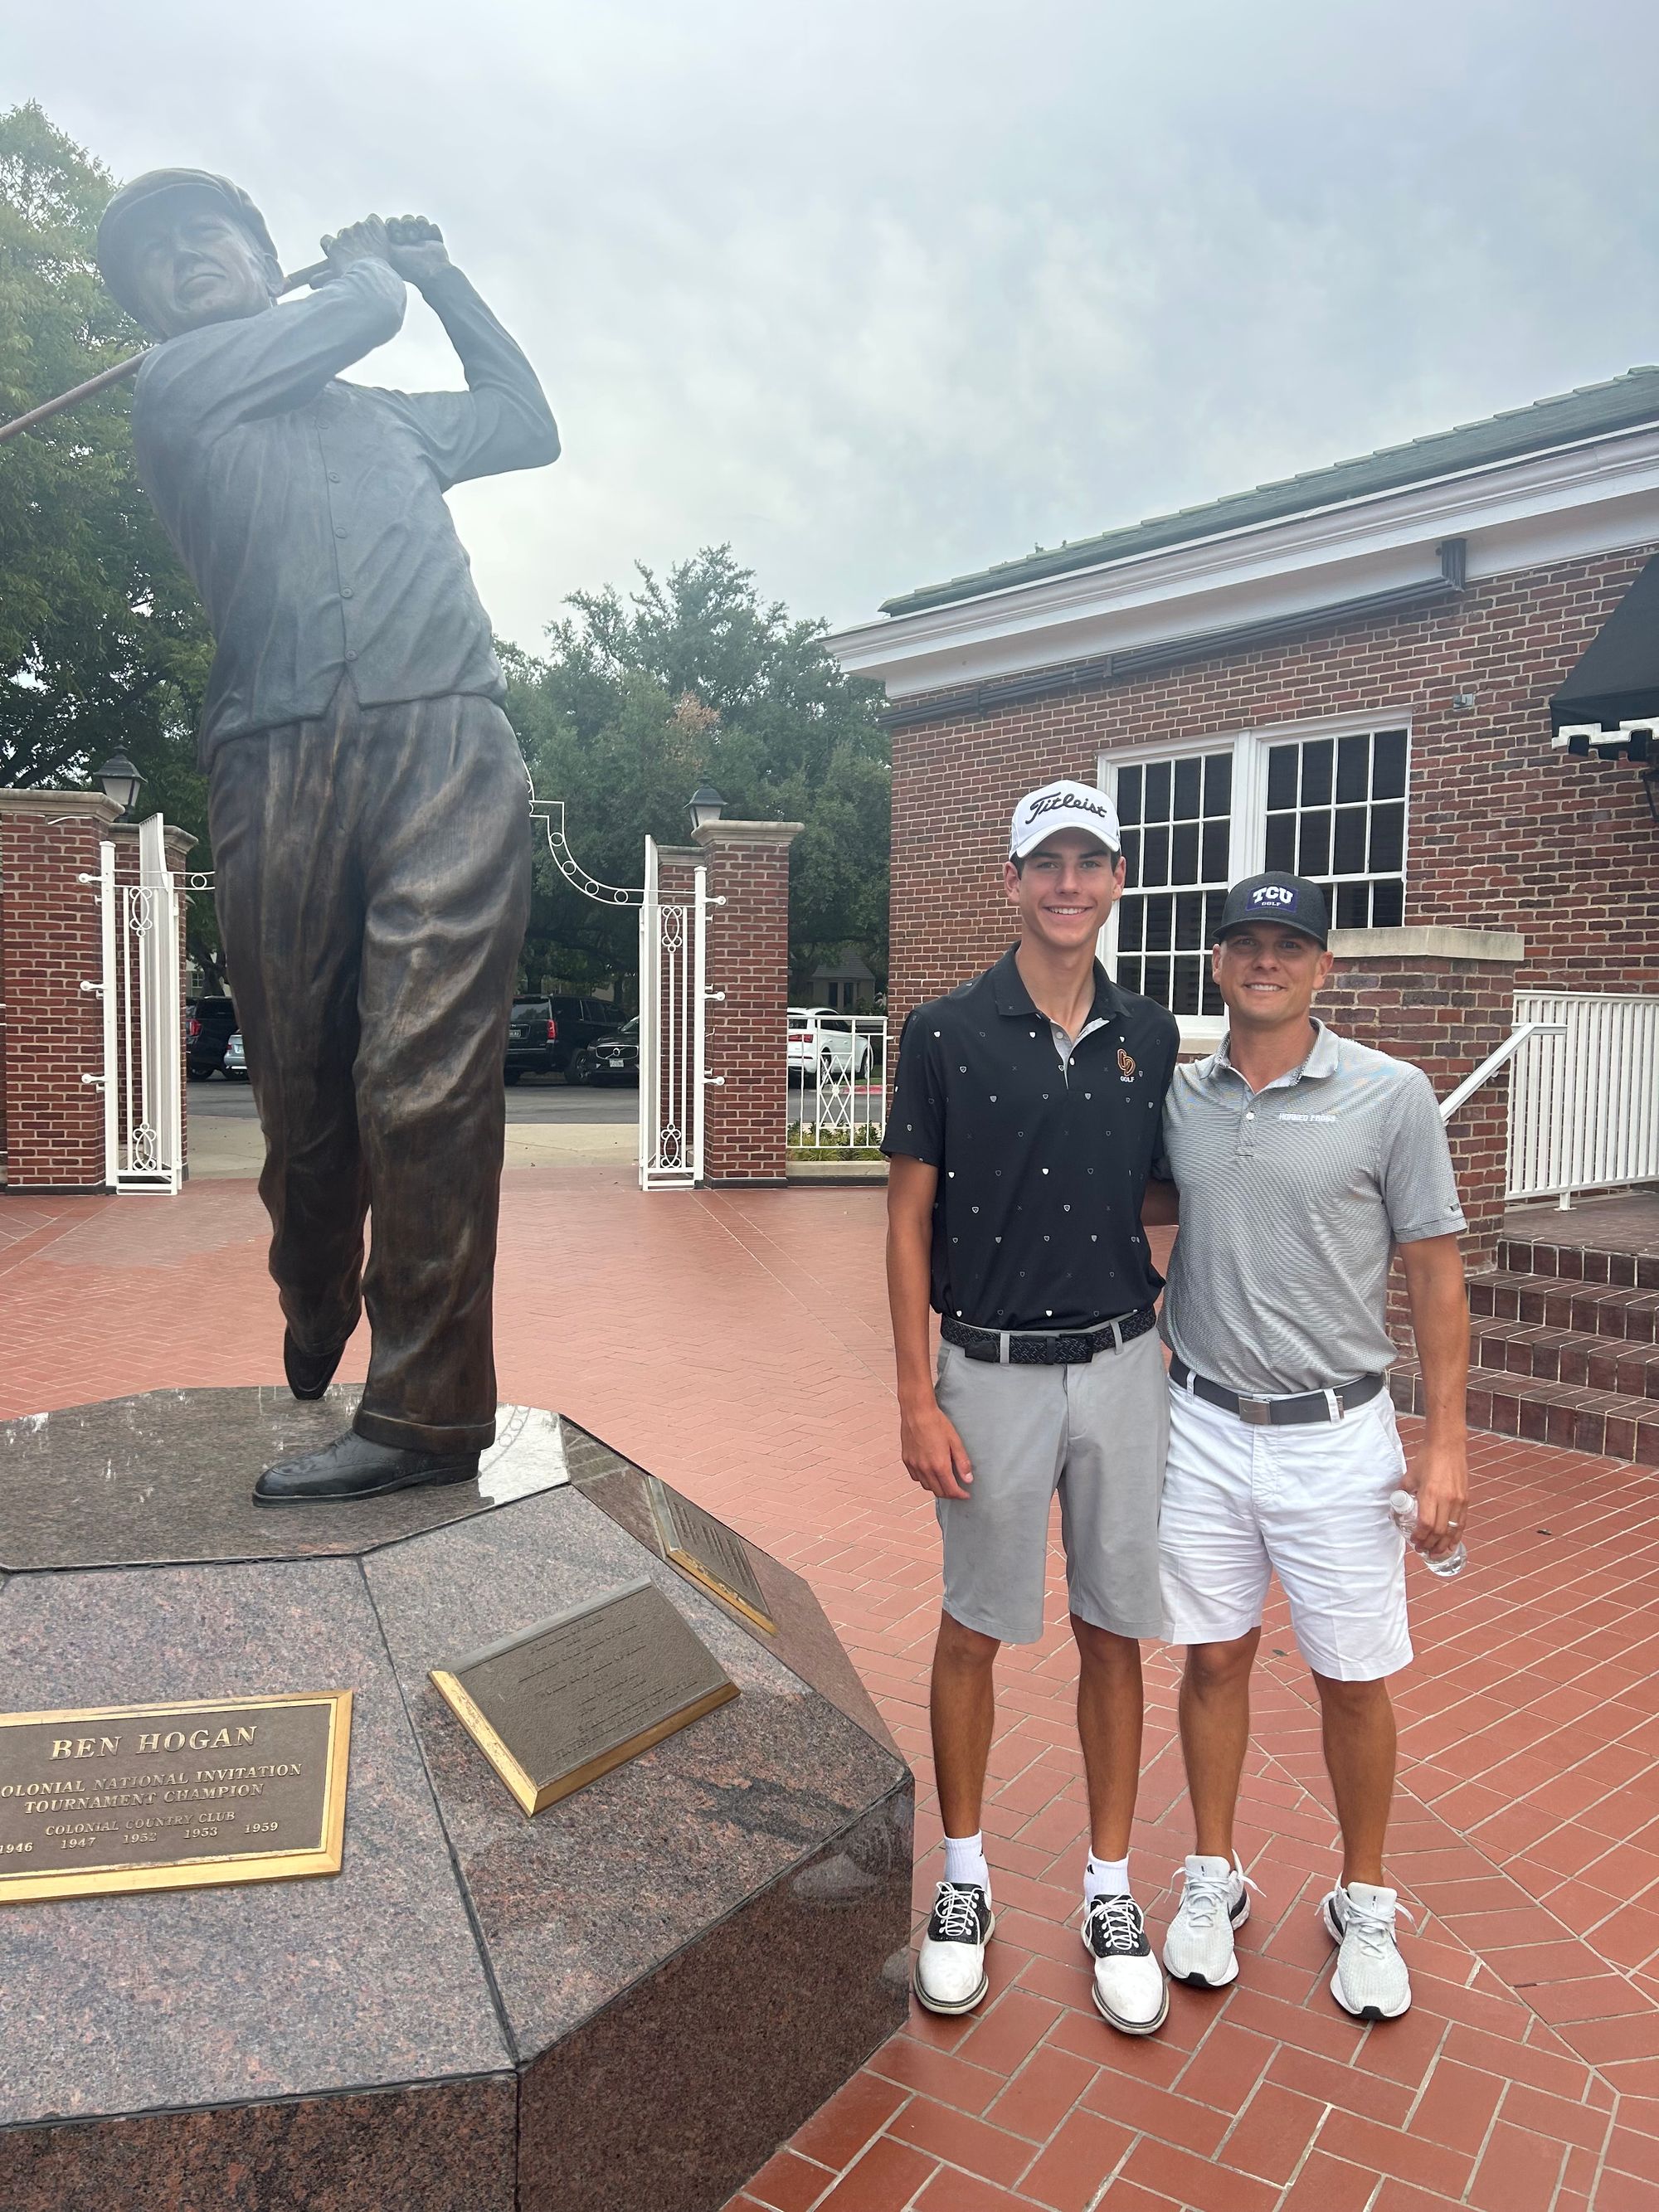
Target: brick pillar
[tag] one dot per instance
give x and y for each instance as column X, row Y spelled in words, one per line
column 51, row 943
column 1445, row 998
column 747, row 1030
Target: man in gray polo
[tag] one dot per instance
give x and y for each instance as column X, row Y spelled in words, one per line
column 1303, row 1162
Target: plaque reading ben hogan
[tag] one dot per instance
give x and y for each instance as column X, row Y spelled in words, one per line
column 172, row 1797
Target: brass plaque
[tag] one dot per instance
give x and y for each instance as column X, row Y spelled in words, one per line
column 708, row 1551
column 172, row 1797
column 562, row 1703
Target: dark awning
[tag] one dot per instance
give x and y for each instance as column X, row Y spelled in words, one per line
column 1617, row 677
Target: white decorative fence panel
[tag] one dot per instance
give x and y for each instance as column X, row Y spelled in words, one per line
column 143, row 1022
column 673, row 938
column 1584, row 1105
column 837, row 1089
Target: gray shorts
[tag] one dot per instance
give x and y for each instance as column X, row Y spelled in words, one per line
column 1096, row 1432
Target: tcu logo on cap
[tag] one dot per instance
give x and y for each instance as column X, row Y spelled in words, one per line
column 1274, row 895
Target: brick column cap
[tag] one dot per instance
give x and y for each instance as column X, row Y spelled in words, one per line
column 95, row 805
column 680, row 856
column 747, row 833
column 1500, row 945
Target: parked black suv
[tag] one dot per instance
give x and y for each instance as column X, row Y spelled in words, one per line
column 208, row 1026
column 545, row 1032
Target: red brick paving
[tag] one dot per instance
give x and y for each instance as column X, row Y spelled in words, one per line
column 737, row 1343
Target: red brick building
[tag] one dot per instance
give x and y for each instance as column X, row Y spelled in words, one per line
column 1349, row 673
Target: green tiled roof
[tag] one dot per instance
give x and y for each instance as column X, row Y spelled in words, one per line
column 1589, row 412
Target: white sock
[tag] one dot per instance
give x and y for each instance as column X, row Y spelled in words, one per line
column 964, row 1860
column 1105, row 1878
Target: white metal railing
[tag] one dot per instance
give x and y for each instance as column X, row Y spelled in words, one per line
column 1490, row 1066
column 837, row 1089
column 1584, row 1100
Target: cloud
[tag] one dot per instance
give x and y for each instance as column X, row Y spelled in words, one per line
column 884, row 293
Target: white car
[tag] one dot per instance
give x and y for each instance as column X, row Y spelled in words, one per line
column 825, row 1043
column 235, row 1060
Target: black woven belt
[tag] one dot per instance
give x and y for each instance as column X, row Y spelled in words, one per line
column 1013, row 1347
column 1278, row 1412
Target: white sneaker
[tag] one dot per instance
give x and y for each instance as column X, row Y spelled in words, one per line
column 1370, row 1978
column 1215, row 1898
column 1130, row 1991
column 951, row 1974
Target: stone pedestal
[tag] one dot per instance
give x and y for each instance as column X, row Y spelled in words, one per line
column 625, row 2003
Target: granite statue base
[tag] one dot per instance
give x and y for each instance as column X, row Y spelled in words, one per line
column 623, row 2005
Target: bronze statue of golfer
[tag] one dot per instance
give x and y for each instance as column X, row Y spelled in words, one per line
column 367, row 799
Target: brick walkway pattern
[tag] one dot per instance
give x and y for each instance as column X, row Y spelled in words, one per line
column 737, row 1343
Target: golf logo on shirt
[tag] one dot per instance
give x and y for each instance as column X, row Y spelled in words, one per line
column 1126, row 1066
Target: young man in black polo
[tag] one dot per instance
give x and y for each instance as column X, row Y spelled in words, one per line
column 1026, row 1120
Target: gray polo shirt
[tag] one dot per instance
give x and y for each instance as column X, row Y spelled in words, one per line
column 1293, row 1200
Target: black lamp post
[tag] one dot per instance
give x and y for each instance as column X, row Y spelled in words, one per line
column 707, row 806
column 121, row 780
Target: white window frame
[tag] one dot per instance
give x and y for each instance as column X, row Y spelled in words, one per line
column 1247, row 839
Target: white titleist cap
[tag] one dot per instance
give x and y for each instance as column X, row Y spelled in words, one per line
column 1062, row 805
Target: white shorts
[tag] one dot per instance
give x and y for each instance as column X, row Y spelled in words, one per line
column 1242, row 1502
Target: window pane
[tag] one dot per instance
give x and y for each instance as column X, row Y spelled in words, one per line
column 1217, row 783
column 1128, row 795
column 1352, row 769
column 1353, row 906
column 1128, row 974
column 1313, row 844
column 1389, row 765
column 1210, row 1002
column 1156, row 806
column 1155, row 983
column 1281, row 775
column 1131, row 914
column 1184, row 853
column 1213, row 902
column 1281, row 842
column 1387, row 905
column 1131, row 856
column 1186, row 987
column 1388, row 836
column 1189, row 774
column 1214, row 859
column 1189, row 922
column 1349, row 858
column 1155, row 865
column 1318, row 757
column 1160, row 920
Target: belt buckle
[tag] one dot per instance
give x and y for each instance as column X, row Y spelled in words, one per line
column 1258, row 1412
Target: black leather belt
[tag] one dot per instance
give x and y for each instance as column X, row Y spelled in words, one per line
column 1278, row 1412
column 1015, row 1348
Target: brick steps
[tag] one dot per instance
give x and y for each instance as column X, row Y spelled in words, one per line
column 1593, row 1308
column 1604, row 1422
column 1553, row 1355
column 1564, row 1342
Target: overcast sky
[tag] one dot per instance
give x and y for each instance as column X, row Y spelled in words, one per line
column 882, row 293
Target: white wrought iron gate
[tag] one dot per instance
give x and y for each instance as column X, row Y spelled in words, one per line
column 143, row 1036
column 673, row 940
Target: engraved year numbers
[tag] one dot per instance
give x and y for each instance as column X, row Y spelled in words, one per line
column 6, row 1849
column 262, row 1827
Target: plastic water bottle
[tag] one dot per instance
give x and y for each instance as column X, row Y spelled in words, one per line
column 1402, row 1512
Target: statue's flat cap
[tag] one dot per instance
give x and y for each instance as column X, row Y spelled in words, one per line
column 120, row 224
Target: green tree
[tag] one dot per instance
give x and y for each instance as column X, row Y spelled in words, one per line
column 103, row 646
column 695, row 676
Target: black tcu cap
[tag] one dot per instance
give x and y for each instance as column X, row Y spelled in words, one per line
column 1290, row 901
